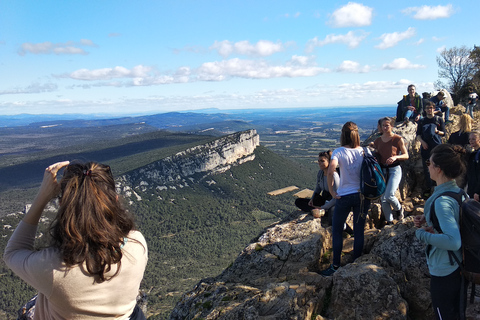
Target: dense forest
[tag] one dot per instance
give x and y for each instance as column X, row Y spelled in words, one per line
column 193, row 232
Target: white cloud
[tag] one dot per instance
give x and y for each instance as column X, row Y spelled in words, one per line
column 392, row 39
column 351, row 39
column 420, row 41
column 351, row 15
column 33, row 88
column 439, row 50
column 352, row 67
column 401, row 63
column 48, row 47
column 110, row 73
column 250, row 69
column 430, row 12
column 262, row 48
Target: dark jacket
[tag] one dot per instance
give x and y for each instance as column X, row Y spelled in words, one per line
column 418, row 104
column 473, row 173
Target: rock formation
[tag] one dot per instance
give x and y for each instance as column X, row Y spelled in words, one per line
column 197, row 162
column 275, row 276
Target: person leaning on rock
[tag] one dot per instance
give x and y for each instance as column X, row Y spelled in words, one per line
column 440, row 106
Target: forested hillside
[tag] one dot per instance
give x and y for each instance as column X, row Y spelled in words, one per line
column 192, row 232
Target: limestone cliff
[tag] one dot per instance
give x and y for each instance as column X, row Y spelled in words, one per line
column 193, row 163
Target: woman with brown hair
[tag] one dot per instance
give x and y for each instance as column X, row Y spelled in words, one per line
column 321, row 198
column 96, row 261
column 446, row 163
column 391, row 151
column 349, row 158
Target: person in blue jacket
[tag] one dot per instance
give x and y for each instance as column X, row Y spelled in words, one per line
column 445, row 164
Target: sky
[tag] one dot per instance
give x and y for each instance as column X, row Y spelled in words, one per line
column 147, row 56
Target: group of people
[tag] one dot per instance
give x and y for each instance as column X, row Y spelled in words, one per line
column 444, row 165
column 96, row 260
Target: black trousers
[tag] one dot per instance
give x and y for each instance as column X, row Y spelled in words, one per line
column 446, row 293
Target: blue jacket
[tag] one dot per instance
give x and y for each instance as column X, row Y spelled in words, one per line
column 447, row 211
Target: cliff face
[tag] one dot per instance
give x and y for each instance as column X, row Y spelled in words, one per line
column 194, row 163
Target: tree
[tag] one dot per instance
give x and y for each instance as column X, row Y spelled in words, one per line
column 457, row 67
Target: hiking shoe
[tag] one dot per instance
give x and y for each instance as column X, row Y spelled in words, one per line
column 329, row 271
column 401, row 214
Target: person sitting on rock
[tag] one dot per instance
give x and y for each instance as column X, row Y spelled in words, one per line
column 441, row 106
column 445, row 164
column 321, row 199
column 349, row 158
column 461, row 136
column 411, row 106
column 429, row 132
column 390, row 150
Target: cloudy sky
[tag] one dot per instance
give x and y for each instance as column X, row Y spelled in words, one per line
column 153, row 56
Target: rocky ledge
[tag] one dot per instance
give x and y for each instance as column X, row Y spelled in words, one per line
column 275, row 277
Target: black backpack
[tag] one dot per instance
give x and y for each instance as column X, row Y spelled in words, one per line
column 470, row 233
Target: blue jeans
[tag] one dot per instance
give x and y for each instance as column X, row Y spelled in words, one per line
column 445, row 110
column 469, row 109
column 343, row 206
column 388, row 199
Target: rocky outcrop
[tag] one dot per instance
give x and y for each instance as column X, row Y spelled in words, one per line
column 276, row 276
column 199, row 161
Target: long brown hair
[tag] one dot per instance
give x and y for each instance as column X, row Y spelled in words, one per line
column 350, row 136
column 91, row 224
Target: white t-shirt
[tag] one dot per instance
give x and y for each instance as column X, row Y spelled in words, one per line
column 350, row 163
column 473, row 96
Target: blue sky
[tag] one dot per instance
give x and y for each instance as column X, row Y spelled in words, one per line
column 145, row 57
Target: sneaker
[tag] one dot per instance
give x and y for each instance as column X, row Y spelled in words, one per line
column 329, row 271
column 401, row 214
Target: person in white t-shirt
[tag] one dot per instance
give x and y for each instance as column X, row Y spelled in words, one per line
column 349, row 159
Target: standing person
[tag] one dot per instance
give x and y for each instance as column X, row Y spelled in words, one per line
column 429, row 132
column 391, row 150
column 95, row 263
column 472, row 101
column 461, row 136
column 412, row 105
column 321, row 199
column 349, row 158
column 473, row 167
column 441, row 106
column 445, row 164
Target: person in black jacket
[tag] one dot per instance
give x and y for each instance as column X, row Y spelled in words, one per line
column 473, row 167
column 429, row 132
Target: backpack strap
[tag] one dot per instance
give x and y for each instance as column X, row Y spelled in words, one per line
column 436, row 225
